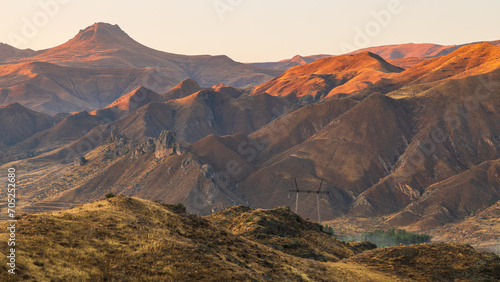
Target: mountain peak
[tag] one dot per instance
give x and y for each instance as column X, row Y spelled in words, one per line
column 356, row 62
column 188, row 84
column 102, row 32
column 15, row 106
column 298, row 59
column 89, row 42
column 183, row 89
column 135, row 99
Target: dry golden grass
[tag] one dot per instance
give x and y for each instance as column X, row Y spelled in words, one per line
column 128, row 239
column 480, row 230
column 283, row 230
column 433, row 262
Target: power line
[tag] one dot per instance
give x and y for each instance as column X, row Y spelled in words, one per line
column 298, row 191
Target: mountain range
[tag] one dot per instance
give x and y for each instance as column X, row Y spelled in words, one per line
column 411, row 144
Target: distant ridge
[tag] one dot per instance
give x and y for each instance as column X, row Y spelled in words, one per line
column 283, row 65
column 402, row 55
column 8, row 53
column 107, row 45
column 101, row 63
column 412, row 50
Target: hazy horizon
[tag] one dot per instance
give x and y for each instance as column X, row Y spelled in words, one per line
column 254, row 31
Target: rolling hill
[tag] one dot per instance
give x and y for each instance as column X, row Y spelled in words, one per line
column 180, row 246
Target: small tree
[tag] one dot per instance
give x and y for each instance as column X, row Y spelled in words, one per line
column 110, row 195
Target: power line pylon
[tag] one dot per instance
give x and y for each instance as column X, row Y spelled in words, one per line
column 298, row 191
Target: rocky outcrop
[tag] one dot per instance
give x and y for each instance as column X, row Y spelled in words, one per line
column 117, row 137
column 80, row 161
column 166, row 145
column 147, row 145
column 208, row 171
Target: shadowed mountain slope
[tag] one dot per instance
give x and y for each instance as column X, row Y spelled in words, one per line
column 64, row 132
column 18, row 123
column 200, row 114
column 351, row 152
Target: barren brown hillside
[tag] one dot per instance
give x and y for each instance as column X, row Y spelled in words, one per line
column 18, row 123
column 61, row 133
column 183, row 89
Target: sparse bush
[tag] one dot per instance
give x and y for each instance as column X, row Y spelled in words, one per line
column 328, row 229
column 110, row 195
column 179, row 208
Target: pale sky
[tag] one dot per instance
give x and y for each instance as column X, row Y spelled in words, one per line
column 255, row 30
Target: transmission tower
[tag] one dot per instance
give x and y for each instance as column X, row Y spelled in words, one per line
column 298, row 191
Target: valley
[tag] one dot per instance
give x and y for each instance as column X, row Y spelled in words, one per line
column 220, row 160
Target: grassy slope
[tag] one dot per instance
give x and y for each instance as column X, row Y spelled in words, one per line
column 129, row 239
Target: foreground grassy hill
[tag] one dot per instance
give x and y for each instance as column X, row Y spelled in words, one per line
column 128, row 239
column 283, row 230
